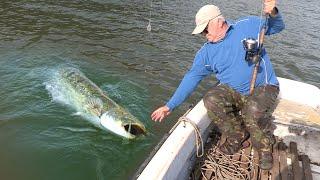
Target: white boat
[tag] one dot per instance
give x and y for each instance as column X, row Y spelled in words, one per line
column 297, row 118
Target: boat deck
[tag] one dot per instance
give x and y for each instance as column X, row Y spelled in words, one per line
column 287, row 165
column 289, row 112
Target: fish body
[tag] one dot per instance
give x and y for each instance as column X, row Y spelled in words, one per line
column 90, row 100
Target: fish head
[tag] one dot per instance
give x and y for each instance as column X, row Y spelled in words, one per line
column 123, row 126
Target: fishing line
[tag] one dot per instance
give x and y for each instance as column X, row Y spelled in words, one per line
column 149, row 24
column 261, row 14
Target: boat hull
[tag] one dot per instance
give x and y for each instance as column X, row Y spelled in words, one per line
column 176, row 157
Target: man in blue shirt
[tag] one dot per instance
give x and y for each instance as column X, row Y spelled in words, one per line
column 236, row 113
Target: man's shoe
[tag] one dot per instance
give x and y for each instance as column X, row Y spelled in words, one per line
column 265, row 160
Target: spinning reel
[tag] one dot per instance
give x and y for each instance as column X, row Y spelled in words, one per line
column 251, row 46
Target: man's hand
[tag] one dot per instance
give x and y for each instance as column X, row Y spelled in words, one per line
column 160, row 113
column 269, row 7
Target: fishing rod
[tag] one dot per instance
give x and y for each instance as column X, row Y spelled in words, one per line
column 253, row 50
column 257, row 57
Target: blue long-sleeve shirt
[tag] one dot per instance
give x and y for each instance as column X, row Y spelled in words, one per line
column 226, row 59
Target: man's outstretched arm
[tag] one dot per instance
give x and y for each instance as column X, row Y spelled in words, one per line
column 186, row 87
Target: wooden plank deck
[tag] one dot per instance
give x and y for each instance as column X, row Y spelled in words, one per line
column 288, row 165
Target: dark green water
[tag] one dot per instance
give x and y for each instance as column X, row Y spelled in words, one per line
column 40, row 136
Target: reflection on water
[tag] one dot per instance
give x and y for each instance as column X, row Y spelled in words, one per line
column 139, row 69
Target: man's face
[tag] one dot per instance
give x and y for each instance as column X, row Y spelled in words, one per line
column 213, row 31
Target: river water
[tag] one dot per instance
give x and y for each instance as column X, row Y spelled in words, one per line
column 43, row 138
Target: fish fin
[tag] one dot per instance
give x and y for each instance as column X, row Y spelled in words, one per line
column 95, row 105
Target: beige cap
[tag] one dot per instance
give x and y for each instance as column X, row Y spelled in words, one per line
column 204, row 15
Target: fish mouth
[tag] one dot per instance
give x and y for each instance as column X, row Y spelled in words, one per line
column 135, row 129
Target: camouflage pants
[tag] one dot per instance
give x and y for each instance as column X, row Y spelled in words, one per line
column 234, row 114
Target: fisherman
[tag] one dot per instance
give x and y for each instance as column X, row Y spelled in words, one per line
column 237, row 114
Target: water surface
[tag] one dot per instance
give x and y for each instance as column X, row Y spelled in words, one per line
column 42, row 138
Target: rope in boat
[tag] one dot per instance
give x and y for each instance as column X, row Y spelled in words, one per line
column 198, row 138
column 225, row 166
column 199, row 141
